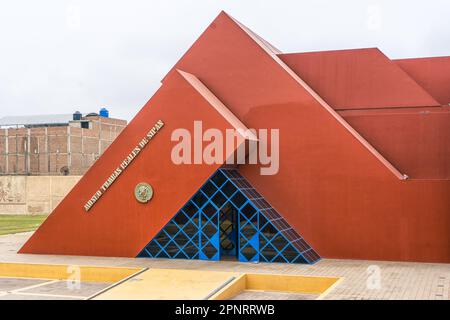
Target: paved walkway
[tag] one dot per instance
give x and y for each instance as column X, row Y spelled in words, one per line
column 361, row 279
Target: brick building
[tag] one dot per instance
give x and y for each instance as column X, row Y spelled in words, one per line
column 54, row 144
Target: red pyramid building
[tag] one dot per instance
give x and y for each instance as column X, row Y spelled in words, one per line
column 364, row 170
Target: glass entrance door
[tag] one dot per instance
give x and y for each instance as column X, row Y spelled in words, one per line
column 228, row 228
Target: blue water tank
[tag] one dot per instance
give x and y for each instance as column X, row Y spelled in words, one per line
column 104, row 113
column 76, row 115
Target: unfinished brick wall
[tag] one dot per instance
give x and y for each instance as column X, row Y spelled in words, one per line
column 56, row 150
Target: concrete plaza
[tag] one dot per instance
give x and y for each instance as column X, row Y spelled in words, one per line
column 360, row 279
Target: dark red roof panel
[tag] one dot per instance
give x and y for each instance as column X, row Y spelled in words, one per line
column 433, row 74
column 358, row 79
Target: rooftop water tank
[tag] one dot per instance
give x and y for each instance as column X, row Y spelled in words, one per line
column 104, row 113
column 77, row 115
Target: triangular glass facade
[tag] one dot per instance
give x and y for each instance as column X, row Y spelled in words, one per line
column 227, row 218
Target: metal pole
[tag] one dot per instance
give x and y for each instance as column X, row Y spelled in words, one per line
column 69, row 149
column 17, row 151
column 57, row 154
column 37, row 153
column 46, row 150
column 7, row 151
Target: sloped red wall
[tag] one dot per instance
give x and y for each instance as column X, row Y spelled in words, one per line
column 416, row 141
column 118, row 225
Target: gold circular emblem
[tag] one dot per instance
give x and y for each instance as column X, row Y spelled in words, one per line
column 143, row 192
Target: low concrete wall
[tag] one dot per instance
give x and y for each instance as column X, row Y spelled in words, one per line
column 33, row 194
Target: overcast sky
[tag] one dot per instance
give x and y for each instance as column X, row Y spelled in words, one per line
column 59, row 56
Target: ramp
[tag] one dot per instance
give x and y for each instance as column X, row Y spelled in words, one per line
column 169, row 284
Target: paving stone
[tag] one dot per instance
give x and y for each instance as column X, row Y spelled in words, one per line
column 10, row 284
column 32, row 297
column 85, row 289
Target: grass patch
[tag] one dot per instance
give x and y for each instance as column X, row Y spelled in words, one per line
column 10, row 224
